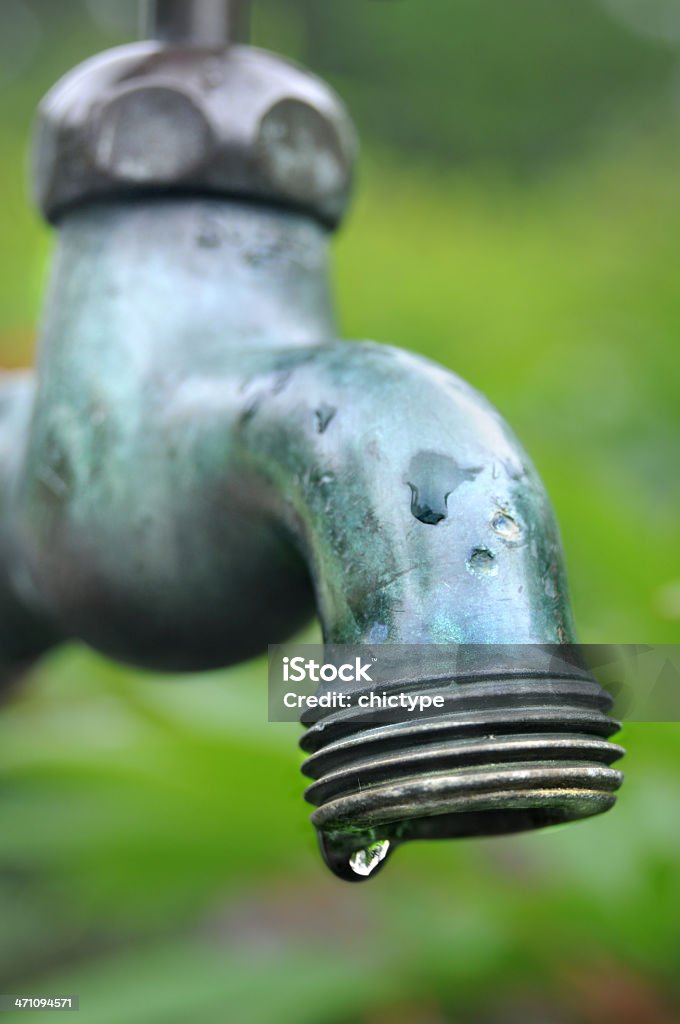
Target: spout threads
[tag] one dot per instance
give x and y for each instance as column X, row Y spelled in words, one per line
column 503, row 755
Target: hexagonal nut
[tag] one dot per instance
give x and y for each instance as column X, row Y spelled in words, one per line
column 239, row 122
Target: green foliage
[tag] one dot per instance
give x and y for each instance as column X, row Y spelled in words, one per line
column 521, row 82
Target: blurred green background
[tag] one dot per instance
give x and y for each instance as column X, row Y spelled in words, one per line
column 517, row 219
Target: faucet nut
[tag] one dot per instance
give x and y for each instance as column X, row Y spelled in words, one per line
column 236, row 122
column 151, row 134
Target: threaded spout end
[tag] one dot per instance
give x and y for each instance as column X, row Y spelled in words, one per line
column 504, row 754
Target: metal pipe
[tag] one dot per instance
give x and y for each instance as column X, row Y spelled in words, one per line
column 209, row 23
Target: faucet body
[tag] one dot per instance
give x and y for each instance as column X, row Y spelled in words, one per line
column 139, row 506
column 203, row 453
column 199, row 462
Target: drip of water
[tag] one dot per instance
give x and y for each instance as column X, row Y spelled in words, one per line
column 324, row 414
column 507, row 527
column 348, row 862
column 364, row 862
column 482, row 562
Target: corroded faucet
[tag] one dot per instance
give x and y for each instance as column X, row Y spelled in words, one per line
column 198, row 462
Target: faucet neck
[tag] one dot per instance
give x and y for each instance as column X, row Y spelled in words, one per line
column 207, row 23
column 219, row 274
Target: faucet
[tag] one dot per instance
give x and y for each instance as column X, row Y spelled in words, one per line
column 198, row 463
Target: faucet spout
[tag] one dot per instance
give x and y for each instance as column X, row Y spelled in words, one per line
column 424, row 523
column 421, row 516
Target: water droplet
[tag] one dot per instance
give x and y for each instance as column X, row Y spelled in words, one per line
column 433, row 477
column 324, row 414
column 506, row 527
column 422, row 510
column 482, row 562
column 346, row 862
column 364, row 862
